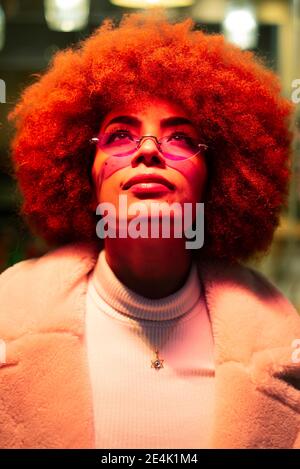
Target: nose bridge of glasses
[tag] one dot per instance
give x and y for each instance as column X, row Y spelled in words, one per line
column 146, row 138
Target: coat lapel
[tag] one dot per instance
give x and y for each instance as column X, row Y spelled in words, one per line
column 257, row 385
column 45, row 399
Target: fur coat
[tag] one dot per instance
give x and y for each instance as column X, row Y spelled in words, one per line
column 45, row 392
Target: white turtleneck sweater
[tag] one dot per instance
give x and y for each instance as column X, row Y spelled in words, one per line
column 137, row 405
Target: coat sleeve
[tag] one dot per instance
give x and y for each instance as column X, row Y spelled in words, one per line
column 290, row 373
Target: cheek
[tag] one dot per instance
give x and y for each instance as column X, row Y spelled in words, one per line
column 195, row 174
column 106, row 179
column 105, row 168
column 200, row 180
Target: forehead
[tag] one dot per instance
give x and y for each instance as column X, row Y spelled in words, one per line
column 150, row 109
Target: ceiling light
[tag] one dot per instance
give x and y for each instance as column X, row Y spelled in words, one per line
column 67, row 15
column 240, row 26
column 152, row 3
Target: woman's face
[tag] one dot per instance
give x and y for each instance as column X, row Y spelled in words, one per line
column 185, row 179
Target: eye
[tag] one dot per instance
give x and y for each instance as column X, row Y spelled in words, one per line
column 118, row 135
column 182, row 137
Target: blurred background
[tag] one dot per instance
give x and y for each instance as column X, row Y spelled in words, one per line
column 32, row 30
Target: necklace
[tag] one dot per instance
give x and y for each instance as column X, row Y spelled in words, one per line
column 158, row 362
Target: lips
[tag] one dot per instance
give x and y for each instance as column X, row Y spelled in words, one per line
column 144, row 178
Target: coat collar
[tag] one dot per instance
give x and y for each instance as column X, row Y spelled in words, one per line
column 257, row 394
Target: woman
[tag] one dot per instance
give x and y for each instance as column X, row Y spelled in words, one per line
column 139, row 342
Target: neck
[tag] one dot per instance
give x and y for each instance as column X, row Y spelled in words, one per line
column 153, row 268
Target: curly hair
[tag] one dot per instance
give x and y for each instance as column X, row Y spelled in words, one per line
column 233, row 98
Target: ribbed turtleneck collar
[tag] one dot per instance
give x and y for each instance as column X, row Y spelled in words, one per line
column 128, row 302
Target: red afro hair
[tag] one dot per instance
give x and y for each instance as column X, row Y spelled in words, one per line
column 232, row 98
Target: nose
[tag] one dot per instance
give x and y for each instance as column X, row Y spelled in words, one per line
column 149, row 153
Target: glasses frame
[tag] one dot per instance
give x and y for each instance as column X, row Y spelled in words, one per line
column 158, row 143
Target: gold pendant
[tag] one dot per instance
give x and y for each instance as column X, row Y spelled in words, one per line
column 157, row 363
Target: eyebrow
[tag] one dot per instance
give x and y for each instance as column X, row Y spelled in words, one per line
column 134, row 121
